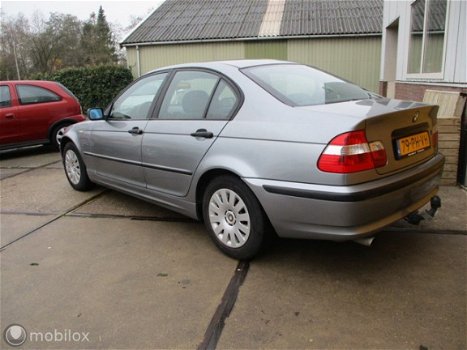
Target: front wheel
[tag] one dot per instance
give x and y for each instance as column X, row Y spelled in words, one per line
column 234, row 218
column 75, row 169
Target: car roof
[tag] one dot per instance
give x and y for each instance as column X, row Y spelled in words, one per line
column 235, row 63
column 31, row 82
column 251, row 63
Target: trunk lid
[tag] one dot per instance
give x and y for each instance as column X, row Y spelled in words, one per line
column 407, row 135
column 405, row 128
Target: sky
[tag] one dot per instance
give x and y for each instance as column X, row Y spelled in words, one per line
column 117, row 12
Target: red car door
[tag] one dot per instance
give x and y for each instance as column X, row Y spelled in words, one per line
column 38, row 106
column 10, row 123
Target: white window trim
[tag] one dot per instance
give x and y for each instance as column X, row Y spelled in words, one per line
column 428, row 76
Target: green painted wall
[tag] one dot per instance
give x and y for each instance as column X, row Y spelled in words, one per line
column 355, row 59
column 157, row 56
column 275, row 49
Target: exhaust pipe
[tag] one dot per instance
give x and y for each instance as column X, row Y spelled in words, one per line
column 365, row 241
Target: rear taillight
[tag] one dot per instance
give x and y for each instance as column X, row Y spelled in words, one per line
column 351, row 152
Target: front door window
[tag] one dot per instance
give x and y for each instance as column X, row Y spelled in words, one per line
column 135, row 103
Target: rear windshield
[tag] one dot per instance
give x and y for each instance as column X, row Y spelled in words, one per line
column 298, row 85
column 68, row 91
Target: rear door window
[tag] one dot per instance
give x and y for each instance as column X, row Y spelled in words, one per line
column 188, row 95
column 5, row 97
column 223, row 103
column 29, row 94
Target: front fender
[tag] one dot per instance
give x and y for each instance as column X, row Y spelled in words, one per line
column 80, row 135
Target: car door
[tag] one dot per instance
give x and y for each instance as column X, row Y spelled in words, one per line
column 116, row 141
column 37, row 106
column 10, row 125
column 194, row 110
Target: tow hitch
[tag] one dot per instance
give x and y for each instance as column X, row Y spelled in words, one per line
column 416, row 217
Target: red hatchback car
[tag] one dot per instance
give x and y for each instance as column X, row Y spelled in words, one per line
column 34, row 112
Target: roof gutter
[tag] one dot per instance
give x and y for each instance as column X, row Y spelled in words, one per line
column 151, row 43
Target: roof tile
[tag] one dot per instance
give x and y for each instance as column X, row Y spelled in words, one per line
column 182, row 20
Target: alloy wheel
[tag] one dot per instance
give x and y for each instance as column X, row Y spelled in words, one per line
column 72, row 167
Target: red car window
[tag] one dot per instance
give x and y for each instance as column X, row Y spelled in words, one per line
column 33, row 94
column 5, row 98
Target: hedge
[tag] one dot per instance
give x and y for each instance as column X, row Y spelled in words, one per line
column 93, row 86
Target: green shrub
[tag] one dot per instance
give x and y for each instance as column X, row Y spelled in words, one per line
column 93, row 86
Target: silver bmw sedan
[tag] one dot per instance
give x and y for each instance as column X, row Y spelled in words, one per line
column 261, row 147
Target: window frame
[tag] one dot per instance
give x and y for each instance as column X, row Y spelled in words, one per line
column 11, row 100
column 420, row 75
column 108, row 109
column 60, row 98
column 237, row 91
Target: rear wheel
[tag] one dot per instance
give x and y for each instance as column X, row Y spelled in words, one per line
column 75, row 169
column 57, row 135
column 234, row 218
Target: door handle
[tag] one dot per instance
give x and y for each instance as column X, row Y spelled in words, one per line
column 135, row 131
column 10, row 116
column 203, row 133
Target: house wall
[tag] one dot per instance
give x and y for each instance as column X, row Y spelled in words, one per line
column 355, row 59
column 275, row 49
column 451, row 80
column 455, row 49
column 152, row 57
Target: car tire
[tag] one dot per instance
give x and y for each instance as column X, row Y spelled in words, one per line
column 234, row 218
column 57, row 134
column 75, row 169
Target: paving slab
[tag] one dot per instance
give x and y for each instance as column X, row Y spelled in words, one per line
column 13, row 226
column 115, row 203
column 405, row 292
column 130, row 284
column 40, row 191
column 56, row 165
column 28, row 158
column 7, row 172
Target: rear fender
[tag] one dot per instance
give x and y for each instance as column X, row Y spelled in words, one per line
column 226, row 164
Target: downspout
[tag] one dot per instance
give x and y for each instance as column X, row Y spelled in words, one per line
column 138, row 62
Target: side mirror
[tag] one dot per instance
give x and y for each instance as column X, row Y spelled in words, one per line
column 95, row 114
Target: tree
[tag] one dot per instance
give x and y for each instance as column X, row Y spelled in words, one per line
column 54, row 44
column 46, row 45
column 68, row 32
column 97, row 40
column 14, row 60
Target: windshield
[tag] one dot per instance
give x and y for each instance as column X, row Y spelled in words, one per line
column 298, row 85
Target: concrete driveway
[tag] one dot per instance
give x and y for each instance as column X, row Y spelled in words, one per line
column 104, row 270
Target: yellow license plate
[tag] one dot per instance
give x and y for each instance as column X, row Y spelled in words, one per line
column 413, row 144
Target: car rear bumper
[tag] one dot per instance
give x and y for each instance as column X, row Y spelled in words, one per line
column 298, row 210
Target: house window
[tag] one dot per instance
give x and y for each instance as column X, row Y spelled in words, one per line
column 427, row 36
